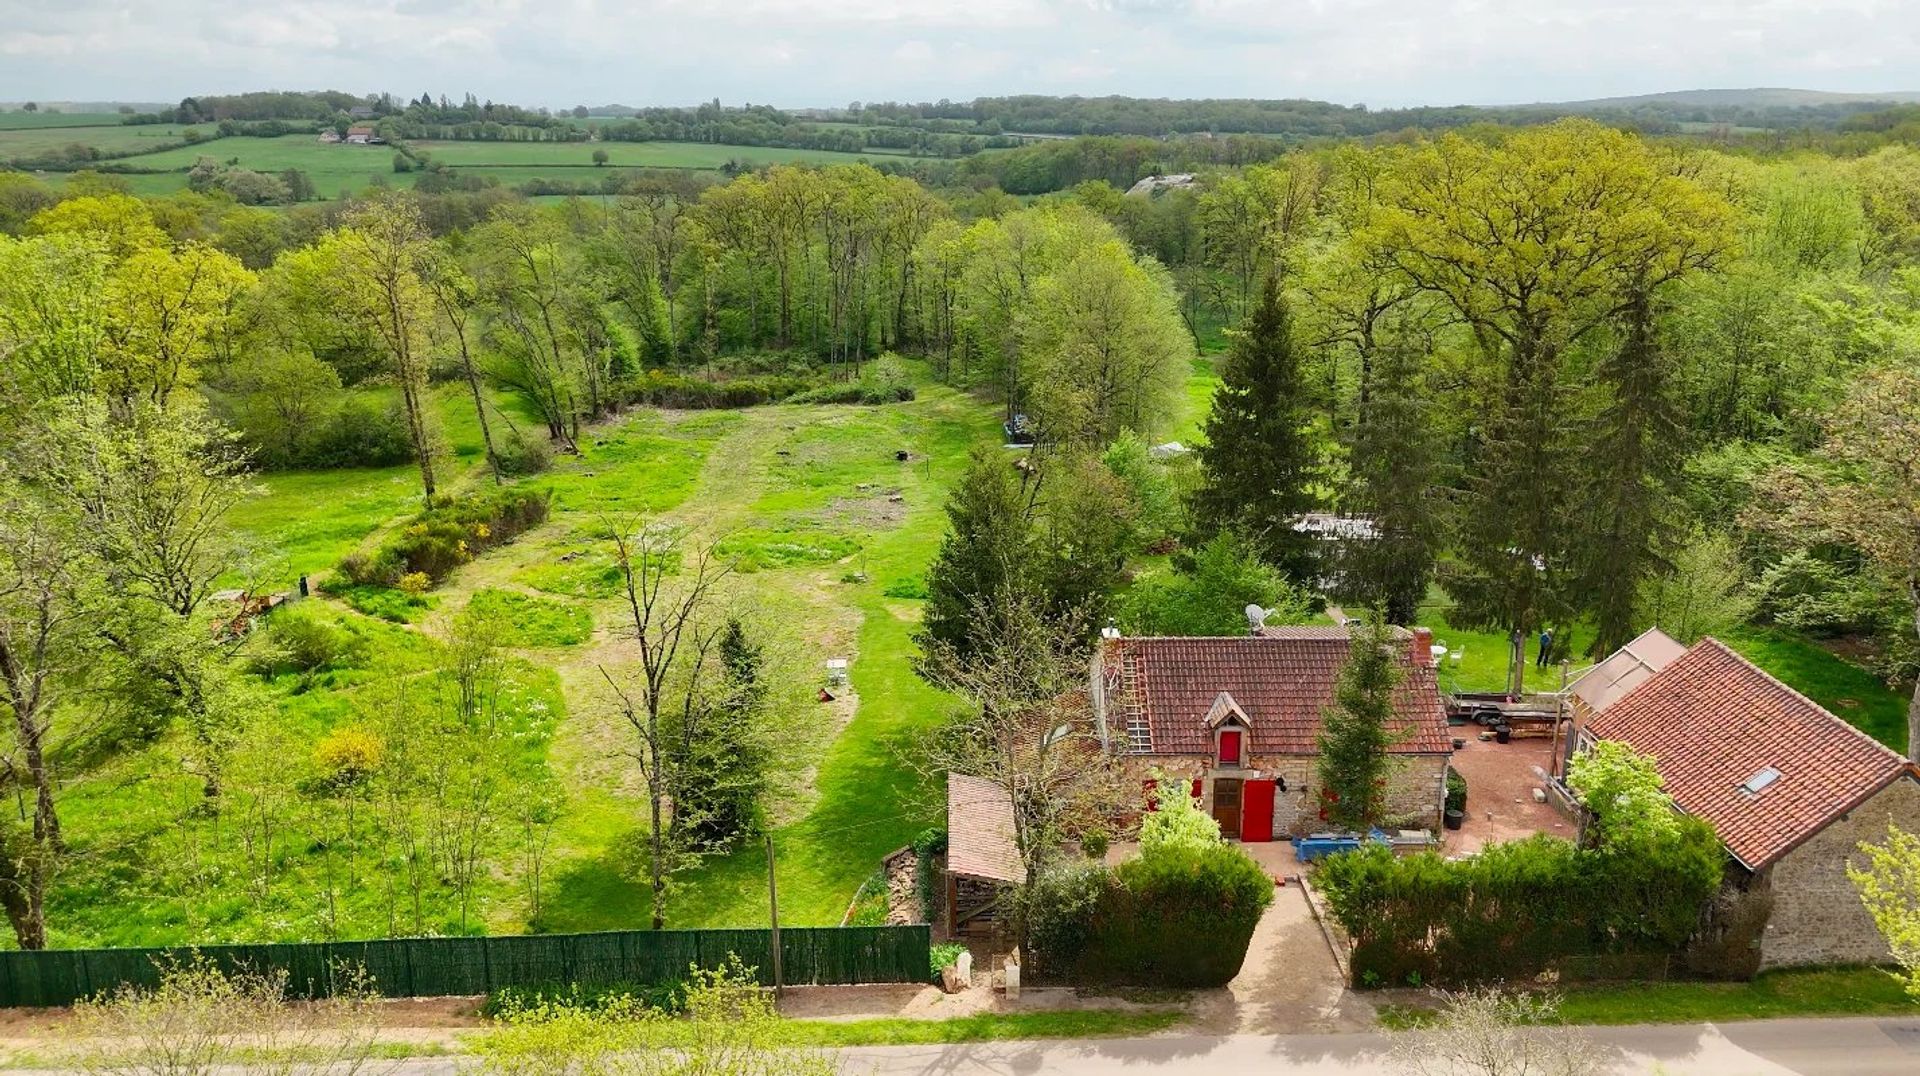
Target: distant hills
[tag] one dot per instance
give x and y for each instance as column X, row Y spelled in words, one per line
column 1759, row 97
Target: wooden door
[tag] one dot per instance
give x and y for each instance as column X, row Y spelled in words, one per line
column 1226, row 805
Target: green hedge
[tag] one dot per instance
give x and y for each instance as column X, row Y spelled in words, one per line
column 1520, row 908
column 439, row 967
column 451, row 532
column 1180, row 918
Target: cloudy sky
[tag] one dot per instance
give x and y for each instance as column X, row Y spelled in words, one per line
column 828, row 52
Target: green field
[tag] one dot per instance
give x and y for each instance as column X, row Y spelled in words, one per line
column 24, row 142
column 624, row 154
column 17, row 120
column 340, row 168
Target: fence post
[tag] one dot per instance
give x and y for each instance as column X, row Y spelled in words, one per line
column 773, row 904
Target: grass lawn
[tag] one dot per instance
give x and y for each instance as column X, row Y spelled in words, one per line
column 799, row 470
column 1853, row 693
column 1821, row 992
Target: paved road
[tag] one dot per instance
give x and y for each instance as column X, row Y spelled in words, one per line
column 1844, row 1047
column 1839, row 1047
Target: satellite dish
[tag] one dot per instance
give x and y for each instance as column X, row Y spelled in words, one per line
column 1256, row 617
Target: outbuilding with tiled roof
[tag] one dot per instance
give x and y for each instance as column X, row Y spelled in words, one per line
column 1790, row 788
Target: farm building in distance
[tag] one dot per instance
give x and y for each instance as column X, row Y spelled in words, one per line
column 1791, row 789
column 361, row 134
column 1238, row 720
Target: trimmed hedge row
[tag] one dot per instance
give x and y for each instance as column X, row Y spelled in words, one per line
column 1179, row 918
column 451, row 532
column 1520, row 908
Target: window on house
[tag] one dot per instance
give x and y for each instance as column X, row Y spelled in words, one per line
column 1230, row 747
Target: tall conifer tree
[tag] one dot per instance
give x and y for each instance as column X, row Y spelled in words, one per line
column 1634, row 459
column 1393, row 464
column 1259, row 460
column 987, row 553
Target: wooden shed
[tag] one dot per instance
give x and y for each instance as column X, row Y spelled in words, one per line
column 983, row 856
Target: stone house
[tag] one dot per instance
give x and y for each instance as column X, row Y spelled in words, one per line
column 1791, row 789
column 1237, row 720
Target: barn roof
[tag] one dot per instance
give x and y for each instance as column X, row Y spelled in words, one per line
column 1765, row 764
column 1165, row 691
column 1626, row 669
column 980, row 835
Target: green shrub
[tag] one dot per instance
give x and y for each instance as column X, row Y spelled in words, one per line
column 451, row 532
column 1094, row 845
column 660, row 997
column 1182, row 917
column 529, row 621
column 928, row 844
column 855, row 392
column 1456, row 790
column 298, row 641
column 661, row 388
column 521, row 453
column 1520, row 907
column 944, row 956
column 362, row 434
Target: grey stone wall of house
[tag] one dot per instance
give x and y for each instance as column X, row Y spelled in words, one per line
column 1415, row 795
column 1817, row 915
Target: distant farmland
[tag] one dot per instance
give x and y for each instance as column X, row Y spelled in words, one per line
column 21, row 142
column 11, row 121
column 338, row 168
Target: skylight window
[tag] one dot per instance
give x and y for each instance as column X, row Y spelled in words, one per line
column 1753, row 785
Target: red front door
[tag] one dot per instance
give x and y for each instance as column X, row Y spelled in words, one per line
column 1256, row 811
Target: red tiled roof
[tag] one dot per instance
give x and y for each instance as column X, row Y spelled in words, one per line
column 980, row 840
column 1283, row 680
column 1712, row 721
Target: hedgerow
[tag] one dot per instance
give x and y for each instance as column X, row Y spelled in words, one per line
column 451, row 532
column 1521, row 908
column 1182, row 917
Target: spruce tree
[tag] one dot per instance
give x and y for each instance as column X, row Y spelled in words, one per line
column 988, row 552
column 1259, row 462
column 728, row 760
column 1634, row 460
column 1393, row 465
column 1354, row 765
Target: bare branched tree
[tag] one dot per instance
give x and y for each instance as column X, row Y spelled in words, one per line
column 669, row 589
column 1492, row 1032
column 1030, row 722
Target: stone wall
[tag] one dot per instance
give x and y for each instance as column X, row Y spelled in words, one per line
column 1416, row 787
column 1817, row 915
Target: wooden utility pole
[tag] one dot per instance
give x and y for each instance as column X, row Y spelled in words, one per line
column 773, row 905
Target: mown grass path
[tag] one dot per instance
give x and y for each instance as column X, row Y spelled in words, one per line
column 825, row 520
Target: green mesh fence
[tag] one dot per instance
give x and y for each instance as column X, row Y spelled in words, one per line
column 430, row 967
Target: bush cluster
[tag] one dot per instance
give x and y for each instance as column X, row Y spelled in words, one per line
column 855, row 392
column 299, row 642
column 663, row 388
column 929, row 843
column 1520, row 908
column 1181, row 917
column 448, row 534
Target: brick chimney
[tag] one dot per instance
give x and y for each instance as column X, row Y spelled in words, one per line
column 1421, row 650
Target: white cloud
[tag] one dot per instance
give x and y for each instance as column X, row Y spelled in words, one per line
column 799, row 52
